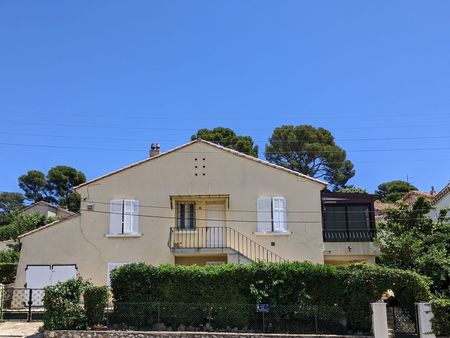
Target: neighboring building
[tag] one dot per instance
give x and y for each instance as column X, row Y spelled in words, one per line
column 348, row 227
column 47, row 209
column 380, row 210
column 411, row 196
column 199, row 203
column 441, row 200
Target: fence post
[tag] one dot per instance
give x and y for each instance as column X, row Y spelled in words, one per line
column 159, row 312
column 315, row 318
column 424, row 317
column 379, row 320
column 2, row 298
column 30, row 302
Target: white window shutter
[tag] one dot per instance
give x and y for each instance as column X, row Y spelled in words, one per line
column 264, row 214
column 135, row 217
column 279, row 214
column 115, row 217
column 131, row 217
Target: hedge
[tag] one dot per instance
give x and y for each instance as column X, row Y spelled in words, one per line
column 95, row 302
column 351, row 288
column 62, row 306
column 441, row 320
column 8, row 272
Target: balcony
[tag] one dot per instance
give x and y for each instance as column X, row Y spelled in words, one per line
column 219, row 240
column 347, row 235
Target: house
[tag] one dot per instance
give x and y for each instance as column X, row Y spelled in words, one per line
column 411, row 196
column 380, row 209
column 348, row 227
column 199, row 203
column 47, row 209
column 441, row 200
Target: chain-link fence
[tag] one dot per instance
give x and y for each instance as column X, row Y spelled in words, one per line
column 227, row 317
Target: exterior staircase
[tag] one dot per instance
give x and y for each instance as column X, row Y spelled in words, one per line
column 239, row 247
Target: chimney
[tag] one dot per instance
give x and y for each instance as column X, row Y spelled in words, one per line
column 432, row 192
column 154, row 149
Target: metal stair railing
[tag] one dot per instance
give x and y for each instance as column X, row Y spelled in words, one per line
column 221, row 238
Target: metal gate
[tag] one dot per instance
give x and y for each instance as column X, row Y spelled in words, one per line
column 402, row 322
column 21, row 304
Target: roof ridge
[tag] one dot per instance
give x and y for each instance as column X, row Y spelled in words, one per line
column 200, row 140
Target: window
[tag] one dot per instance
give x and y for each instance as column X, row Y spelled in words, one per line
column 124, row 217
column 186, row 215
column 271, row 214
column 347, row 222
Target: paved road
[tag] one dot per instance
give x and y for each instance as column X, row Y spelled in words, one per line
column 12, row 329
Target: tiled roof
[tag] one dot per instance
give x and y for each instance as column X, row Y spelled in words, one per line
column 441, row 194
column 412, row 195
column 49, row 205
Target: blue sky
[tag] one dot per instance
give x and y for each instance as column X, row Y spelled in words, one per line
column 93, row 84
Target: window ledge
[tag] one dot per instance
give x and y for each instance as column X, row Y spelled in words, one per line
column 180, row 231
column 272, row 233
column 123, row 235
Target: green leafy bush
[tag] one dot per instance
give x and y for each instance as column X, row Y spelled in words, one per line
column 441, row 320
column 8, row 272
column 95, row 302
column 9, row 256
column 62, row 306
column 22, row 223
column 350, row 288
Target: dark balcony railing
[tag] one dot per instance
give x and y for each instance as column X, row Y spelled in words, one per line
column 346, row 235
column 220, row 238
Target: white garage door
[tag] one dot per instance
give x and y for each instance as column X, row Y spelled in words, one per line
column 62, row 273
column 40, row 276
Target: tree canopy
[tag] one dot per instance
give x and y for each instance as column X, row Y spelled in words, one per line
column 351, row 189
column 226, row 137
column 9, row 202
column 410, row 239
column 56, row 187
column 310, row 151
column 33, row 184
column 394, row 190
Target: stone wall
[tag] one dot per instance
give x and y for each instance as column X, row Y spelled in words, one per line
column 142, row 334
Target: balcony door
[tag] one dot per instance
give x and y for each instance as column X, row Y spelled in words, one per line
column 215, row 222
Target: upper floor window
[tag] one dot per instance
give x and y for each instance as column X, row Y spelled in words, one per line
column 185, row 215
column 347, row 222
column 271, row 214
column 124, row 217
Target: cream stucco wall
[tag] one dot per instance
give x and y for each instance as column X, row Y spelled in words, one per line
column 83, row 240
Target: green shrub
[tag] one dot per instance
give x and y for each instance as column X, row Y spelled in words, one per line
column 8, row 272
column 9, row 256
column 441, row 320
column 95, row 302
column 23, row 223
column 62, row 306
column 347, row 289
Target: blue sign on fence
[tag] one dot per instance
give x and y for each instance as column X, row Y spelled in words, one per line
column 262, row 308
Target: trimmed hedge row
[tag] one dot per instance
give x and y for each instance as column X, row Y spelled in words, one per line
column 350, row 287
column 441, row 320
column 8, row 272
